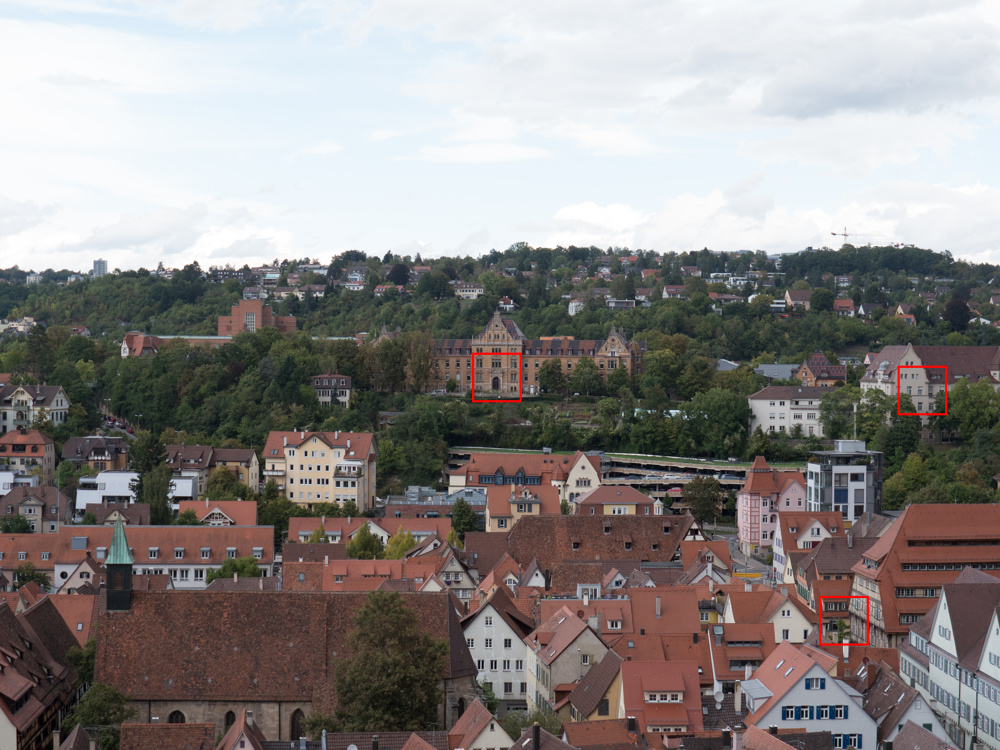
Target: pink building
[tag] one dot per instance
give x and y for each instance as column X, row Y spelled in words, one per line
column 759, row 500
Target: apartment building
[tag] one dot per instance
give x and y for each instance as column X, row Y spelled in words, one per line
column 759, row 500
column 29, row 451
column 253, row 315
column 323, row 467
column 903, row 572
column 783, row 408
column 23, row 405
column 820, row 371
column 574, row 475
column 99, row 452
column 846, row 480
column 332, row 388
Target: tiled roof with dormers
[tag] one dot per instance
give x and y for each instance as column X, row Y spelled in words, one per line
column 173, row 736
column 361, row 443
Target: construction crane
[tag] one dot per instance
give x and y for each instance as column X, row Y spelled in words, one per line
column 845, row 234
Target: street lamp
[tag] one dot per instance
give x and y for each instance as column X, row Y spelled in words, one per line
column 136, row 418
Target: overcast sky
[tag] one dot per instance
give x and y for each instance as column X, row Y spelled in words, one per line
column 232, row 131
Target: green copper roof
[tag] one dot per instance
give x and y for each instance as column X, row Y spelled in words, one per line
column 119, row 553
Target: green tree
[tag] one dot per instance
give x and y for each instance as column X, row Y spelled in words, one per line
column 274, row 509
column 89, row 519
column 146, row 453
column 586, row 379
column 156, row 485
column 398, row 545
column 364, row 545
column 15, row 525
column 821, row 300
column 244, row 567
column 187, row 518
column 223, row 485
column 704, row 496
column 391, row 680
column 836, row 411
column 317, row 536
column 843, row 631
column 492, row 702
column 453, row 541
column 83, row 658
column 550, row 376
column 105, row 707
column 26, row 572
column 463, row 518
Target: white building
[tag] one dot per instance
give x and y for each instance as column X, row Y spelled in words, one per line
column 100, row 268
column 495, row 636
column 847, row 480
column 789, row 689
column 782, row 408
column 115, row 487
column 11, row 479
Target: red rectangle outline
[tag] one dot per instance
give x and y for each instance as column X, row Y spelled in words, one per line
column 899, row 391
column 868, row 620
column 520, row 379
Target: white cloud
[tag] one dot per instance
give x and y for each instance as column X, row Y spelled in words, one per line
column 324, row 148
column 480, row 153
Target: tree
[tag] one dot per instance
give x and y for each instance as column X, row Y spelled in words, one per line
column 398, row 545
column 365, row 545
column 586, row 379
column 26, row 572
column 274, row 509
column 390, row 681
column 821, row 300
column 223, row 485
column 156, row 485
column 399, row 274
column 550, row 376
column 146, row 452
column 836, row 411
column 244, row 567
column 515, row 722
column 704, row 496
column 956, row 312
column 187, row 518
column 463, row 518
column 89, row 519
column 15, row 525
column 318, row 535
column 105, row 707
column 82, row 658
column 453, row 541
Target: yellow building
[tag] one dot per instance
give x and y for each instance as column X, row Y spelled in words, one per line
column 505, row 505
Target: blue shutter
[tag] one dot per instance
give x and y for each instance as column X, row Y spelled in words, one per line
column 822, row 683
column 845, row 712
column 858, row 744
column 798, row 713
column 810, row 712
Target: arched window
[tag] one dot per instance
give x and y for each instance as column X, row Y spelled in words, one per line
column 119, row 582
column 297, row 719
column 176, row 717
column 230, row 719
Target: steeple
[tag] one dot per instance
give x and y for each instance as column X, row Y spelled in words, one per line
column 119, row 565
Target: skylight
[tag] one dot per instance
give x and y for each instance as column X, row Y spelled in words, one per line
column 779, row 665
column 789, row 671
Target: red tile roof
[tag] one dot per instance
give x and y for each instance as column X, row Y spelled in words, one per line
column 361, row 442
column 779, row 673
column 469, row 725
column 241, row 512
column 28, row 437
column 675, row 676
column 614, row 495
column 500, row 499
column 174, row 736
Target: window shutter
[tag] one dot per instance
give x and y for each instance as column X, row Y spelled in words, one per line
column 845, row 712
column 822, row 683
column 811, row 712
column 798, row 713
column 858, row 743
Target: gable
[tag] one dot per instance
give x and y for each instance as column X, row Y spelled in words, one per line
column 942, row 632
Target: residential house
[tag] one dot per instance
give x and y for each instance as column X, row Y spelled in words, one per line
column 736, row 650
column 242, row 463
column 478, row 729
column 573, row 474
column 175, row 736
column 615, row 500
column 765, row 492
column 253, row 315
column 495, row 634
column 576, row 305
column 139, row 638
column 107, row 514
column 798, row 298
column 381, row 289
column 469, row 290
column 792, row 689
column 891, row 703
column 21, row 406
column 329, row 467
column 674, row 291
column 783, row 408
column 506, row 505
column 955, row 646
column 39, row 684
column 222, row 512
column 803, row 531
column 663, row 697
column 915, row 737
column 99, row 452
column 819, row 371
column 903, row 572
column 846, row 480
column 844, row 308
column 191, row 461
column 595, row 697
column 342, row 530
column 791, row 618
column 19, row 478
column 331, row 388
column 46, row 508
column 29, row 451
column 560, row 651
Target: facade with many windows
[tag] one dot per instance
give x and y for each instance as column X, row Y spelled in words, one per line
column 786, row 408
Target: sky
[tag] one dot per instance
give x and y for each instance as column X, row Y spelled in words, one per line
column 237, row 131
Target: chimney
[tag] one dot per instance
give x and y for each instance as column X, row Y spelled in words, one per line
column 747, row 586
column 93, row 744
column 323, row 740
column 374, row 742
column 738, row 698
column 322, row 519
column 738, row 738
column 335, row 433
column 206, row 502
column 55, row 740
column 250, row 718
column 727, row 738
column 850, row 541
column 284, row 440
column 747, row 672
column 302, row 435
column 773, row 730
column 711, row 585
column 348, row 443
column 536, row 736
column 657, row 608
column 586, row 598
column 326, row 561
column 236, row 577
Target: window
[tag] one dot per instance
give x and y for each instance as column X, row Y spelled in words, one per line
column 519, row 666
column 489, row 643
column 206, row 553
column 470, row 642
column 784, row 635
column 585, row 660
column 506, row 665
column 493, row 665
column 506, row 642
column 816, row 683
column 178, row 553
column 603, row 707
column 489, row 620
column 231, row 552
column 481, row 664
column 508, row 688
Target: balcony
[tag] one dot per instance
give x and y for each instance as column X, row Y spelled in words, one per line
column 272, row 473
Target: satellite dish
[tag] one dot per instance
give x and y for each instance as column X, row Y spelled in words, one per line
column 352, row 747
column 581, row 614
column 718, row 696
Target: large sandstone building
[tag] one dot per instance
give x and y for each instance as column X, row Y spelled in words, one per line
column 507, row 363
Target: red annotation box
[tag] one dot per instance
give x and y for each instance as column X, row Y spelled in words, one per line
column 899, row 391
column 499, row 379
column 868, row 620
